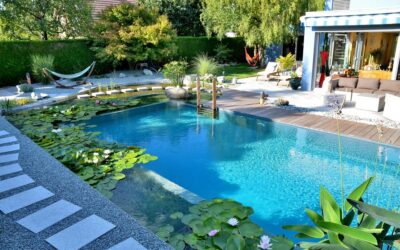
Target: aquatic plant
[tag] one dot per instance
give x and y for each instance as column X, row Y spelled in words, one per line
column 99, row 163
column 220, row 224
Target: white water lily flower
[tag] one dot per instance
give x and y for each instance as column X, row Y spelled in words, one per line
column 95, row 160
column 107, row 151
column 233, row 222
column 56, row 130
column 62, row 111
column 96, row 154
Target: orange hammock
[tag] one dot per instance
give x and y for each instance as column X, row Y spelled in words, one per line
column 252, row 61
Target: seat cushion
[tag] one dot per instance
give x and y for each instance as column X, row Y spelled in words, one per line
column 363, row 91
column 368, row 83
column 343, row 89
column 384, row 92
column 347, row 82
column 390, row 85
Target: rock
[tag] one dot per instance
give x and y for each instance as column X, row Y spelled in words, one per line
column 113, row 92
column 142, row 88
column 177, row 93
column 85, row 96
column 147, row 72
column 156, row 88
column 221, row 79
column 127, row 90
column 98, row 94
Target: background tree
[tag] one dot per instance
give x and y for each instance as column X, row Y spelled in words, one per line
column 260, row 22
column 44, row 19
column 131, row 33
column 183, row 14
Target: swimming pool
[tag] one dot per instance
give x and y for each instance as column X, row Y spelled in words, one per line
column 275, row 168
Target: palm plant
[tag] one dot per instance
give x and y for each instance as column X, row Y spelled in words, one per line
column 205, row 66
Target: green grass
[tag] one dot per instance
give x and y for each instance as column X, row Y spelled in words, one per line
column 239, row 71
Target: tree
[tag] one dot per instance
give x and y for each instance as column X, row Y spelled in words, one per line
column 131, row 33
column 44, row 19
column 260, row 22
column 184, row 14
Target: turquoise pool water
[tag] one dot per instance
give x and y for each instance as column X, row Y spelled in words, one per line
column 274, row 168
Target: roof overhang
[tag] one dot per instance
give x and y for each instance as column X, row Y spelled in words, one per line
column 352, row 18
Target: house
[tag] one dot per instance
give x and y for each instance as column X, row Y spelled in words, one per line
column 99, row 5
column 357, row 34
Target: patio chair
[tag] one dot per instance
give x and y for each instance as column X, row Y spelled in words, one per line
column 272, row 68
column 88, row 70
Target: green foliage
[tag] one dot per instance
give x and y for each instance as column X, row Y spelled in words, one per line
column 258, row 22
column 6, row 105
column 184, row 14
column 131, row 33
column 175, row 71
column 44, row 19
column 39, row 62
column 336, row 229
column 286, row 62
column 223, row 53
column 218, row 224
column 97, row 162
column 70, row 56
column 205, row 66
column 26, row 88
column 190, row 47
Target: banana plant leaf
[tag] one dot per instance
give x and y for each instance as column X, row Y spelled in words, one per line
column 313, row 232
column 322, row 246
column 358, row 244
column 380, row 214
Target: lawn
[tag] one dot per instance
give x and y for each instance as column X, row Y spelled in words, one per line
column 239, row 71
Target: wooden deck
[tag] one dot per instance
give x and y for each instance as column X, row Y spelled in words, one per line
column 247, row 103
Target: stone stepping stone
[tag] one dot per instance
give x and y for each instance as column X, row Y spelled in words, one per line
column 142, row 89
column 80, row 233
column 49, row 216
column 157, row 88
column 113, row 92
column 10, row 148
column 169, row 87
column 15, row 182
column 10, row 169
column 129, row 243
column 8, row 139
column 98, row 94
column 127, row 90
column 85, row 96
column 3, row 133
column 24, row 199
column 8, row 158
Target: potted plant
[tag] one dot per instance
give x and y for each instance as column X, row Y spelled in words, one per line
column 175, row 72
column 286, row 62
column 294, row 81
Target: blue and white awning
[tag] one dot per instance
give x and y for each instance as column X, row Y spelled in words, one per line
column 347, row 18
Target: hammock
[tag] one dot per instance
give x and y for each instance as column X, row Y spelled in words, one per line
column 252, row 61
column 89, row 69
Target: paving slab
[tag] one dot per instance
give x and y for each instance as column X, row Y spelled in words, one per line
column 8, row 139
column 24, row 199
column 3, row 133
column 49, row 215
column 15, row 182
column 10, row 169
column 8, row 157
column 129, row 243
column 80, row 233
column 9, row 148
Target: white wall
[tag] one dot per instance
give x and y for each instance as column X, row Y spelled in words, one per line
column 373, row 4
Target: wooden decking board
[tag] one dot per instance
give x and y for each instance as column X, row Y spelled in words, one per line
column 247, row 103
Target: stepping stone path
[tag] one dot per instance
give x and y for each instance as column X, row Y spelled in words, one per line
column 127, row 90
column 157, row 88
column 75, row 236
column 142, row 89
column 84, row 96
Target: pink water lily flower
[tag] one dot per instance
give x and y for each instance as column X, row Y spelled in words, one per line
column 213, row 232
column 233, row 221
column 265, row 242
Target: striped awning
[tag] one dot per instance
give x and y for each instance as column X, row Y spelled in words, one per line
column 351, row 20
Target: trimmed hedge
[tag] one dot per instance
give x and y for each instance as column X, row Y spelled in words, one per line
column 71, row 56
column 190, row 47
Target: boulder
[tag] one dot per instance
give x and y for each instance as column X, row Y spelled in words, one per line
column 177, row 93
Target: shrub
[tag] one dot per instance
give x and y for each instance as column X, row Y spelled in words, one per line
column 39, row 62
column 175, row 71
column 223, row 53
column 286, row 62
column 131, row 33
column 205, row 65
column 6, row 105
column 25, row 88
column 22, row 101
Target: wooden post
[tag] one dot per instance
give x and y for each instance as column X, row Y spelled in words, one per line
column 198, row 94
column 214, row 98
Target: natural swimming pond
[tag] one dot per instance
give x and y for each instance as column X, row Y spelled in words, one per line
column 275, row 168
